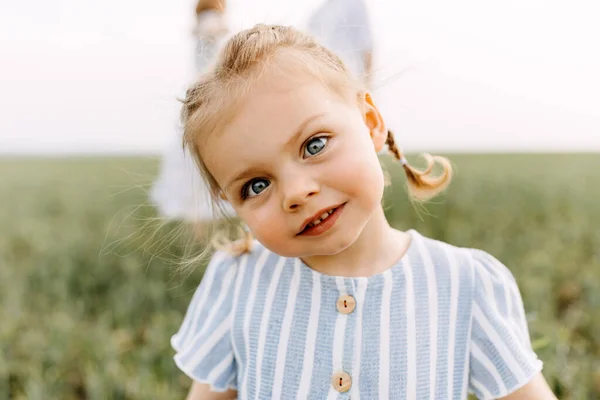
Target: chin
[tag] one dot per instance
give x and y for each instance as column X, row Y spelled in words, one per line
column 336, row 245
column 281, row 250
column 328, row 248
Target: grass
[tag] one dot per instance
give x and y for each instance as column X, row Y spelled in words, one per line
column 89, row 295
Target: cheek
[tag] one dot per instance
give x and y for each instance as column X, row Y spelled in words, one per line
column 263, row 222
column 368, row 181
column 357, row 171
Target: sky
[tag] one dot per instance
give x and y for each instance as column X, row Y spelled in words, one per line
column 466, row 76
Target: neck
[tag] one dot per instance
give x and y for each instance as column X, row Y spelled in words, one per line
column 378, row 247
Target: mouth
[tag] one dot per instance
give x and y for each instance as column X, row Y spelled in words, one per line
column 321, row 222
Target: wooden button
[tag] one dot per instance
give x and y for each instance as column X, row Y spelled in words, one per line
column 341, row 382
column 346, row 304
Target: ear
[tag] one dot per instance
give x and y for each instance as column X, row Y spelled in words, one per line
column 374, row 122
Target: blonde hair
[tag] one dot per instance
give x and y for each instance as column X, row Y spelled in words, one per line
column 209, row 101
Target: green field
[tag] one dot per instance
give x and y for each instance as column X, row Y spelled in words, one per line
column 89, row 293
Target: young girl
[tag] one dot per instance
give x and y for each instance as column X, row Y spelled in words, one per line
column 330, row 302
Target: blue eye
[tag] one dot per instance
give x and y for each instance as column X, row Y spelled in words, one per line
column 314, row 146
column 254, row 187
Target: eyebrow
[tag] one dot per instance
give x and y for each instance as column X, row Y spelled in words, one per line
column 302, row 127
column 246, row 174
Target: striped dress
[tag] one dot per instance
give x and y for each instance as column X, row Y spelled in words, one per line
column 442, row 322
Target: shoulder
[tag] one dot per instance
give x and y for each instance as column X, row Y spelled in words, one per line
column 483, row 281
column 473, row 266
column 487, row 267
column 442, row 255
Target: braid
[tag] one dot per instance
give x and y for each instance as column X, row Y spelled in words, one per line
column 421, row 184
column 391, row 143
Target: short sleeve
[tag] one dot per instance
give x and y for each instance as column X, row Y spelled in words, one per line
column 501, row 357
column 203, row 343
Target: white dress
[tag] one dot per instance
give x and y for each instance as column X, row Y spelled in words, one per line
column 179, row 192
column 210, row 31
column 343, row 27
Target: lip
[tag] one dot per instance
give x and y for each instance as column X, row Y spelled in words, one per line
column 327, row 223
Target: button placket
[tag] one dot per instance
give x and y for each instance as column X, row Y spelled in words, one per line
column 341, row 380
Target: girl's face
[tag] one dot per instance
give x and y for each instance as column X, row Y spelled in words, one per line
column 299, row 165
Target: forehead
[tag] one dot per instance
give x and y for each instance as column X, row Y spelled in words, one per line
column 266, row 119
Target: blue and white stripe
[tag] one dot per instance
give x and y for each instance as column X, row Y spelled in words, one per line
column 442, row 322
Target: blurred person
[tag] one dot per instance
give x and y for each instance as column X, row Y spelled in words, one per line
column 210, row 31
column 343, row 26
column 179, row 193
column 330, row 298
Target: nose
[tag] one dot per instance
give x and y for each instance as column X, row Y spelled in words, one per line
column 296, row 192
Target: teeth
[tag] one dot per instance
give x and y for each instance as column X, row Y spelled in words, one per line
column 321, row 218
